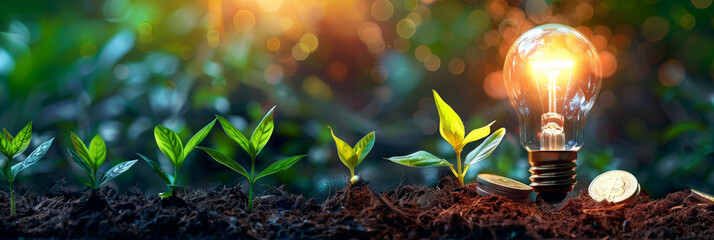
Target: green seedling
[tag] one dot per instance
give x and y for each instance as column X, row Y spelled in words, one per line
column 11, row 147
column 452, row 130
column 252, row 146
column 353, row 156
column 170, row 144
column 90, row 159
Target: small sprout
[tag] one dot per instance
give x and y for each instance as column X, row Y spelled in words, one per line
column 11, row 147
column 90, row 159
column 452, row 130
column 252, row 146
column 170, row 144
column 350, row 156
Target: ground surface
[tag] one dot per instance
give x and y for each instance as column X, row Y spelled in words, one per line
column 407, row 212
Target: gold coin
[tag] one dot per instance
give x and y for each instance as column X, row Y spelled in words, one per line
column 503, row 184
column 634, row 196
column 702, row 196
column 614, row 186
column 484, row 190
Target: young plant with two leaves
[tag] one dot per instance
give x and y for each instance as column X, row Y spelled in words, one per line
column 353, row 156
column 252, row 146
column 170, row 144
column 452, row 130
column 11, row 147
column 89, row 159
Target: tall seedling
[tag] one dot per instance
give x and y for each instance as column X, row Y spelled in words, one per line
column 90, row 159
column 11, row 147
column 353, row 156
column 452, row 130
column 170, row 144
column 252, row 146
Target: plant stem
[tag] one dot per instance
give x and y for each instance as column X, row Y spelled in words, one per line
column 251, row 180
column 250, row 196
column 176, row 170
column 93, row 180
column 12, row 201
column 453, row 171
column 460, row 175
column 352, row 175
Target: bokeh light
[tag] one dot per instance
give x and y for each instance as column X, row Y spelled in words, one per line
column 382, row 10
column 406, row 28
column 244, row 21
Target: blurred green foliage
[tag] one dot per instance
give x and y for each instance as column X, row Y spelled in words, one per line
column 120, row 67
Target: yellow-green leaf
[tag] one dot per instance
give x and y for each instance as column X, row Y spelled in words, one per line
column 477, row 134
column 345, row 152
column 7, row 134
column 170, row 144
column 236, row 135
column 22, row 139
column 97, row 151
column 7, row 149
column 279, row 166
column 450, row 125
column 197, row 138
column 363, row 147
column 262, row 132
column 81, row 149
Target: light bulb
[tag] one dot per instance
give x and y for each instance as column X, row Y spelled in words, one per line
column 552, row 74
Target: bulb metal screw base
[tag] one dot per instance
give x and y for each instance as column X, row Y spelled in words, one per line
column 552, row 173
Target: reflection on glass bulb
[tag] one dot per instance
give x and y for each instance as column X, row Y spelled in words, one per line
column 552, row 74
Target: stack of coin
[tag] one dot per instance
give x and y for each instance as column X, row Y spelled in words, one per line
column 489, row 184
column 616, row 186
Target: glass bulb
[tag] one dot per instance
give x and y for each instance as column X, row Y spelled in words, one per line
column 552, row 74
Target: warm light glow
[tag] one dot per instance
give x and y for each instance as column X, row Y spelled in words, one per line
column 553, row 65
column 552, row 75
column 552, row 72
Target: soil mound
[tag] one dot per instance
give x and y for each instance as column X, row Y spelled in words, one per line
column 447, row 211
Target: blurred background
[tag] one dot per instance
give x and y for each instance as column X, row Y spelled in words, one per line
column 120, row 67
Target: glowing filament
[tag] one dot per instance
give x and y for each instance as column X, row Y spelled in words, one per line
column 552, row 136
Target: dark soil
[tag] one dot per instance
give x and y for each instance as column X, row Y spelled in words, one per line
column 449, row 211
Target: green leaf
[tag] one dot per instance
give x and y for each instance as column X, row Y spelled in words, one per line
column 7, row 149
column 35, row 156
column 165, row 194
column 170, row 144
column 82, row 165
column 279, row 166
column 477, row 134
column 262, row 132
column 420, row 159
column 196, row 139
column 97, row 152
column 22, row 139
column 486, row 148
column 228, row 162
column 82, row 150
column 450, row 125
column 365, row 144
column 8, row 136
column 157, row 169
column 346, row 153
column 236, row 135
column 116, row 171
